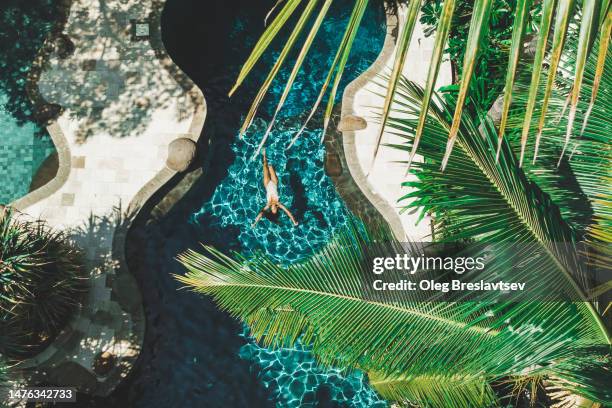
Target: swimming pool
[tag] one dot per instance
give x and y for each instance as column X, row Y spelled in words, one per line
column 24, row 145
column 22, row 152
column 303, row 186
column 194, row 355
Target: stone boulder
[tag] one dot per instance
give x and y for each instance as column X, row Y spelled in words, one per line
column 181, row 153
column 351, row 123
column 104, row 363
column 333, row 165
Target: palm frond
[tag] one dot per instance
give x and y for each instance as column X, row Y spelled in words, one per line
column 478, row 28
column 601, row 62
column 489, row 201
column 300, row 25
column 298, row 64
column 547, row 13
column 265, row 40
column 518, row 33
column 588, row 30
column 581, row 188
column 562, row 20
column 398, row 67
column 594, row 14
column 329, row 300
column 336, row 69
column 435, row 391
column 446, row 15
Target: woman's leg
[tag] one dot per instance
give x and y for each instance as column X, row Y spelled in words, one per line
column 273, row 174
column 266, row 171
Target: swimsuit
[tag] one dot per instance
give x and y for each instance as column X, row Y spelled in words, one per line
column 271, row 191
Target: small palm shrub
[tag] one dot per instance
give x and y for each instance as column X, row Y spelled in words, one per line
column 41, row 282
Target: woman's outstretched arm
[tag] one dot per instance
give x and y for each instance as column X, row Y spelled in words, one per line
column 261, row 213
column 288, row 213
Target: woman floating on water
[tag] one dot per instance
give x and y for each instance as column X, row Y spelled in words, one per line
column 270, row 182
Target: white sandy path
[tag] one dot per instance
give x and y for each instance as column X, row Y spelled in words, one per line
column 383, row 180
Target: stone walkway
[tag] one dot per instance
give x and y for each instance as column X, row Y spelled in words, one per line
column 381, row 183
column 124, row 102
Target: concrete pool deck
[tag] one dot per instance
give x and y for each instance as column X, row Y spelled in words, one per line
column 382, row 182
column 124, row 103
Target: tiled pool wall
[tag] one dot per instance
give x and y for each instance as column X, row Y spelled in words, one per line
column 24, row 145
column 23, row 148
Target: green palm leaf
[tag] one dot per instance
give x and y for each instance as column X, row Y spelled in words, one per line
column 518, row 33
column 595, row 13
column 478, row 29
column 588, row 204
column 442, row 31
column 336, row 69
column 435, row 391
column 326, row 300
column 601, row 62
column 277, row 66
column 265, row 40
column 398, row 67
column 298, row 64
column 547, row 12
column 496, row 203
column 588, row 29
column 562, row 19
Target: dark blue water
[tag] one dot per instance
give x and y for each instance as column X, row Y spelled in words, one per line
column 303, row 185
column 194, row 354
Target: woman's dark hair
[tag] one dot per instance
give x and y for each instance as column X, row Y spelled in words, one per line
column 275, row 218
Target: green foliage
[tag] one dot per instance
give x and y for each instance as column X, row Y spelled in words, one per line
column 405, row 337
column 580, row 185
column 42, row 280
column 499, row 202
column 483, row 42
column 491, row 64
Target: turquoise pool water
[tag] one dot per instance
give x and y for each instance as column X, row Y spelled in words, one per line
column 195, row 355
column 24, row 145
column 304, row 188
column 297, row 381
column 21, row 154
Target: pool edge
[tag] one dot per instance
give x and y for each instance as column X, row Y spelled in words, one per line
column 348, row 136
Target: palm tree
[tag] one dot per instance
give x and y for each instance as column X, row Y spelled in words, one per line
column 595, row 17
column 42, row 280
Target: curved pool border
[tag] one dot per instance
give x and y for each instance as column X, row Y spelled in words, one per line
column 121, row 284
column 53, row 128
column 348, row 136
column 63, row 171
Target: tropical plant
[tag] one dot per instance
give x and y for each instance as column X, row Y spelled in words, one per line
column 595, row 16
column 491, row 64
column 580, row 183
column 421, row 349
column 42, row 281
